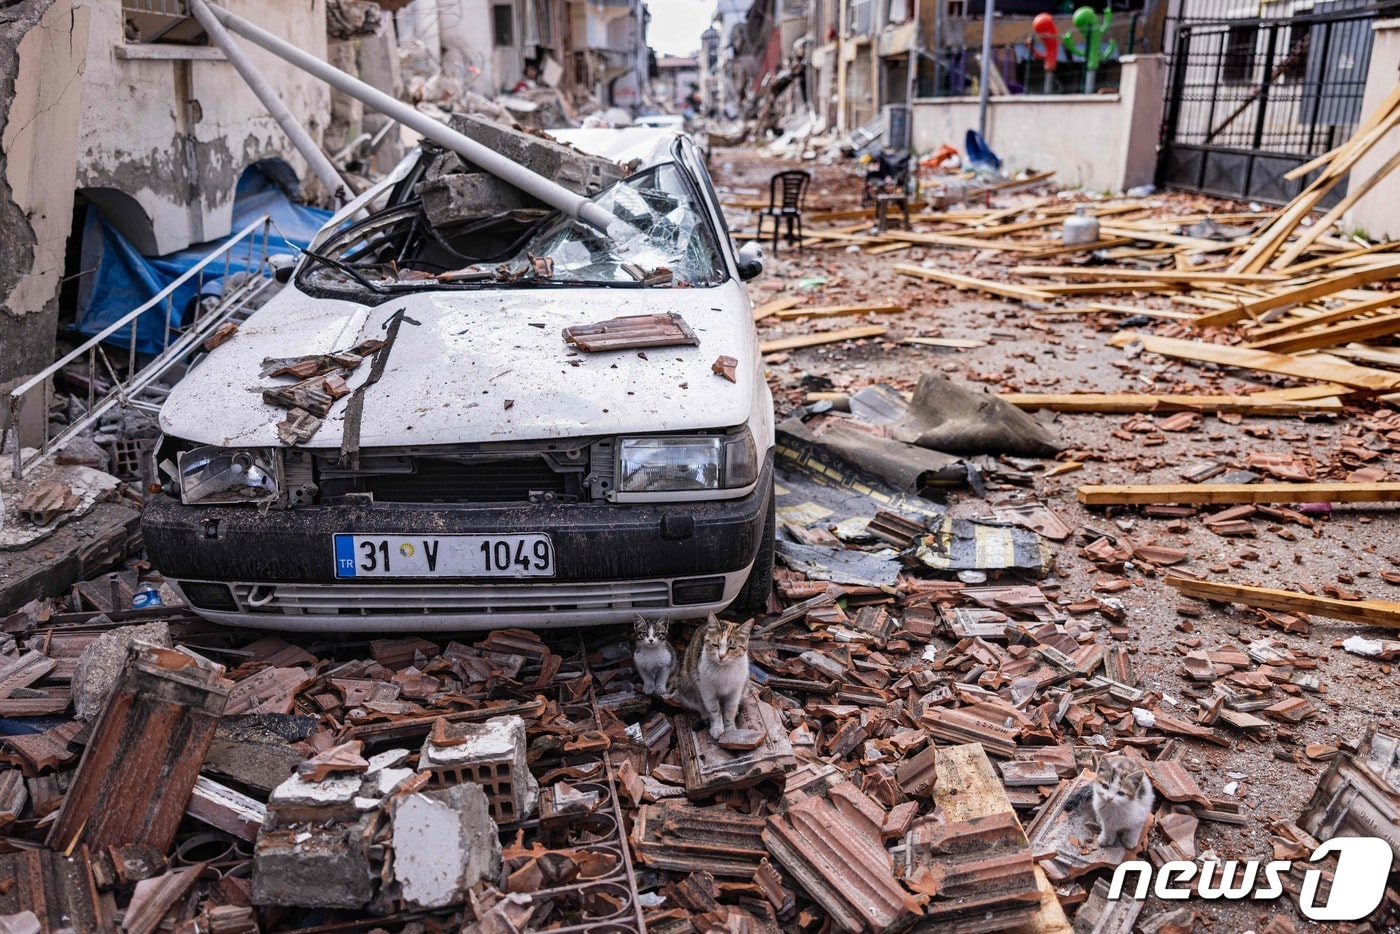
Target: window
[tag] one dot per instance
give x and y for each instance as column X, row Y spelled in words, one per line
column 861, row 13
column 503, row 23
column 1237, row 67
column 169, row 22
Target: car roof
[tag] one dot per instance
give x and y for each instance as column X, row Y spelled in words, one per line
column 648, row 145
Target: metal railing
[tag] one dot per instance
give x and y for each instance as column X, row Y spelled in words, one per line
column 126, row 389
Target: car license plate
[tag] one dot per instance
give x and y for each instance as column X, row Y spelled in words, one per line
column 530, row 555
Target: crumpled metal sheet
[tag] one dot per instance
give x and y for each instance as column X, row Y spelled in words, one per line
column 945, row 417
column 840, row 565
column 966, row 545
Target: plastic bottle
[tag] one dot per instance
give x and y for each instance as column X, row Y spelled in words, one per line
column 1082, row 228
column 146, row 596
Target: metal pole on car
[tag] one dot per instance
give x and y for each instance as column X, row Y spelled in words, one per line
column 985, row 84
column 545, row 189
column 316, row 160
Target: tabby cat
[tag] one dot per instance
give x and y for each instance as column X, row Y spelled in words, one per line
column 1122, row 801
column 715, row 672
column 652, row 654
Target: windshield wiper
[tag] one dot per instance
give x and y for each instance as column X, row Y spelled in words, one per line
column 346, row 268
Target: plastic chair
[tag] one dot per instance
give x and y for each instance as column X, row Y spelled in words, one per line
column 793, row 187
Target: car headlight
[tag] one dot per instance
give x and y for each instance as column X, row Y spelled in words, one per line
column 228, row 475
column 680, row 464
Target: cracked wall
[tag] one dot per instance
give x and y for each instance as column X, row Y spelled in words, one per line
column 43, row 46
column 174, row 126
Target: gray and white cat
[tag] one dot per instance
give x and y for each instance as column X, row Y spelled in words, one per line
column 715, row 672
column 1122, row 801
column 652, row 654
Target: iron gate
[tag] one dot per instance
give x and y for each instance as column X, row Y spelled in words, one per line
column 1249, row 100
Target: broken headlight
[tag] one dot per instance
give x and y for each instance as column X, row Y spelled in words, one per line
column 229, row 475
column 694, row 464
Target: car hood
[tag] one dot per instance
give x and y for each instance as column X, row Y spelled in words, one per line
column 481, row 366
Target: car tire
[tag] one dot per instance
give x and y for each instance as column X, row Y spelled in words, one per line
column 753, row 596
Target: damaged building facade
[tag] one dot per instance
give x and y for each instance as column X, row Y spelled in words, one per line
column 123, row 107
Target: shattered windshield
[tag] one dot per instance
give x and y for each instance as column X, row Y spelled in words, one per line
column 661, row 238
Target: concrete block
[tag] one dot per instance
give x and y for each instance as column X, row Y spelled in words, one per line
column 445, row 843
column 490, row 754
column 451, row 199
column 315, row 867
column 101, row 664
column 575, row 170
column 297, row 792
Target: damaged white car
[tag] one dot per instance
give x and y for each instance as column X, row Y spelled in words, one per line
column 439, row 423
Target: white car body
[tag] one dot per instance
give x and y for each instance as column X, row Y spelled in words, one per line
column 484, row 374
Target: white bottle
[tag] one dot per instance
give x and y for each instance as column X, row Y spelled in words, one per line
column 1082, row 228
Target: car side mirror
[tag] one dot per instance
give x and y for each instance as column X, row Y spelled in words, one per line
column 750, row 260
column 283, row 265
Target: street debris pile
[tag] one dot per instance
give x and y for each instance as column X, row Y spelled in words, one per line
column 912, row 749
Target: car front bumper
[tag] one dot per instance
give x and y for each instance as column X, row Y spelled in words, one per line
column 276, row 569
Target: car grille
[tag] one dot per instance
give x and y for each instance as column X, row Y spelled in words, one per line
column 344, row 599
column 442, row 481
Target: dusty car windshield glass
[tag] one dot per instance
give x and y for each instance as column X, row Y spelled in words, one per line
column 661, row 231
column 662, row 238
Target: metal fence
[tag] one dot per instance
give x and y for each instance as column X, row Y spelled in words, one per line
column 127, row 378
column 1249, row 100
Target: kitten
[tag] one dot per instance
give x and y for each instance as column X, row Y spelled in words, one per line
column 652, row 654
column 715, row 672
column 1122, row 801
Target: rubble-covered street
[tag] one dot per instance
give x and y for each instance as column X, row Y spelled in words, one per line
column 464, row 471
column 916, row 749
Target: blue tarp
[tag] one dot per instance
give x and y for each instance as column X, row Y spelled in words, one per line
column 125, row 279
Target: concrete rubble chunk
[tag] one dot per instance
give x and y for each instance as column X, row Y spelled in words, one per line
column 445, row 843
column 101, row 663
column 490, row 754
column 316, row 867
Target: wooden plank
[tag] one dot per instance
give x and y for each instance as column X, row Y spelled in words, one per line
column 1392, row 100
column 1097, row 288
column 1187, row 494
column 1356, row 188
column 1376, row 303
column 1312, row 366
column 1104, row 244
column 1128, row 403
column 1371, row 612
column 833, row 311
column 1302, row 293
column 1301, row 393
column 1164, row 275
column 954, row 342
column 825, row 337
column 1195, row 244
column 1361, row 255
column 961, row 282
column 1363, row 330
column 887, row 248
column 1384, row 356
column 1272, row 239
column 775, row 305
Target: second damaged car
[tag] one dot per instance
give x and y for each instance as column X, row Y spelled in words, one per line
column 467, row 409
